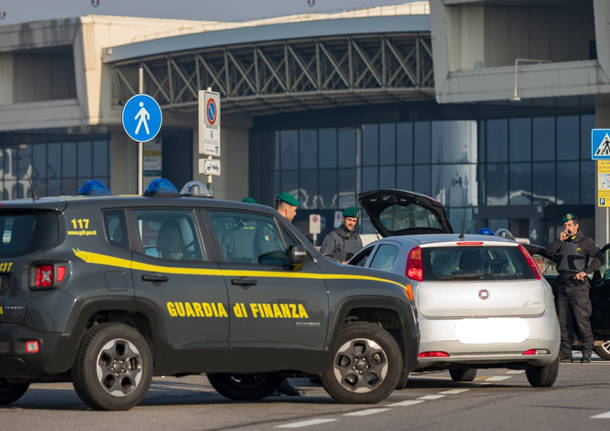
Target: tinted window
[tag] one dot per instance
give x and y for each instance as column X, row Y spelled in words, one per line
column 360, row 258
column 24, row 233
column 248, row 238
column 398, row 217
column 475, row 263
column 169, row 234
column 116, row 231
column 385, row 257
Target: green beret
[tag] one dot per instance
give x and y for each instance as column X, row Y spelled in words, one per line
column 248, row 200
column 350, row 212
column 288, row 198
column 567, row 217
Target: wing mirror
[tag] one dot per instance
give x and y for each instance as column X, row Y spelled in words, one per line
column 298, row 256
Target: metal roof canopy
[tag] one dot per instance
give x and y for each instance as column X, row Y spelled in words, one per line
column 284, row 67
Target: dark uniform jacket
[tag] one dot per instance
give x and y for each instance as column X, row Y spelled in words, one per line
column 575, row 254
column 341, row 244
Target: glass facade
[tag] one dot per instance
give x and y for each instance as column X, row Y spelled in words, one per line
column 497, row 172
column 57, row 162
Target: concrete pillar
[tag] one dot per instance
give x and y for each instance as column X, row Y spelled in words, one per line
column 602, row 215
column 123, row 163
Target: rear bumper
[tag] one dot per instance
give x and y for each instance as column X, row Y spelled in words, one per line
column 439, row 335
column 54, row 357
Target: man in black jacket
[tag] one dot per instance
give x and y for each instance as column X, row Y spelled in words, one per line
column 578, row 258
column 341, row 243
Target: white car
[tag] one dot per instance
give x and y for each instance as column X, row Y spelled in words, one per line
column 481, row 301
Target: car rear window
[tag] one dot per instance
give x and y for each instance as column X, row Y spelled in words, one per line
column 475, row 263
column 24, row 233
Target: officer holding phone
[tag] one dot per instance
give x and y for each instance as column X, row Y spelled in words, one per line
column 578, row 258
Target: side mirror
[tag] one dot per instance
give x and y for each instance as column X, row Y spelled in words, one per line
column 298, row 256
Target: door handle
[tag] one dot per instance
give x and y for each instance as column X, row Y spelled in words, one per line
column 244, row 281
column 155, row 278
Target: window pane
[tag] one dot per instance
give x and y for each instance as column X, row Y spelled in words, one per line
column 422, row 142
column 168, row 234
column 422, row 179
column 497, row 184
column 544, row 183
column 370, row 177
column 347, row 148
column 482, row 132
column 405, row 143
column 40, row 161
column 454, row 185
column 587, row 123
column 520, row 140
column 288, row 149
column 347, row 188
column 328, row 189
column 497, row 140
column 69, row 186
column 370, row 144
column 328, row 148
column 269, row 187
column 567, row 183
column 544, row 138
column 248, row 238
column 289, row 181
column 84, row 159
column 100, row 155
column 587, row 182
column 308, row 149
column 404, row 180
column 116, row 229
column 387, row 177
column 384, row 257
column 308, row 189
column 454, row 141
column 520, row 184
column 567, row 138
column 387, row 136
column 10, row 163
column 24, row 161
column 68, row 159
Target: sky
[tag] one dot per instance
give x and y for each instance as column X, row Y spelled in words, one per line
column 16, row 11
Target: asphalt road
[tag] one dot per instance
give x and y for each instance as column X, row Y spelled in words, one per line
column 498, row 399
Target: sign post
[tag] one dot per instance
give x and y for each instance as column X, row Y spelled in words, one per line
column 600, row 151
column 314, row 226
column 209, row 131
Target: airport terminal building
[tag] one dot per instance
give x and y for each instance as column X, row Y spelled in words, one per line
column 481, row 104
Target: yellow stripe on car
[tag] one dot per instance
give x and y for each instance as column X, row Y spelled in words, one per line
column 103, row 259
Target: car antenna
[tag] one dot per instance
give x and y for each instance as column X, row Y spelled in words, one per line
column 463, row 225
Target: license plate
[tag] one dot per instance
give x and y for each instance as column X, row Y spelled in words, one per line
column 492, row 330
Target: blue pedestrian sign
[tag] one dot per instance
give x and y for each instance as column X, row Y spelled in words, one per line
column 142, row 118
column 600, row 144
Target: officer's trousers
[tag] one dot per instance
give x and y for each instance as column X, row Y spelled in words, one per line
column 573, row 297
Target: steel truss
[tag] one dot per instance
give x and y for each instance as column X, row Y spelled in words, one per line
column 280, row 76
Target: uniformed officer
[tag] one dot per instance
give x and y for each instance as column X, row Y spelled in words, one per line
column 248, row 200
column 341, row 243
column 287, row 205
column 578, row 257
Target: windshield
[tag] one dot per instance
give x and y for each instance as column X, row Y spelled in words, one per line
column 24, row 233
column 475, row 263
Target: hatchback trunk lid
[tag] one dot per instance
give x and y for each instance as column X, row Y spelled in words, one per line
column 400, row 212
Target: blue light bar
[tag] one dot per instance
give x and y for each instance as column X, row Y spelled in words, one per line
column 161, row 187
column 93, row 188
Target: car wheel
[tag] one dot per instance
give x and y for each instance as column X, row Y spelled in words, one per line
column 366, row 365
column 245, row 387
column 603, row 350
column 113, row 368
column 462, row 374
column 543, row 376
column 11, row 392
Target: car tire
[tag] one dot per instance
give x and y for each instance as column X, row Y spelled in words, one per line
column 462, row 374
column 402, row 381
column 603, row 350
column 11, row 392
column 543, row 377
column 113, row 368
column 245, row 387
column 366, row 365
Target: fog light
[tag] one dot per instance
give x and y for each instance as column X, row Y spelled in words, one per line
column 32, row 346
column 433, row 355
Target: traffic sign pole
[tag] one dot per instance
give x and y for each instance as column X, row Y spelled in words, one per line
column 140, row 144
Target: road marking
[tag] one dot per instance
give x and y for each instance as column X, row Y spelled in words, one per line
column 431, row 397
column 306, row 423
column 454, row 391
column 497, row 378
column 406, row 403
column 602, row 416
column 366, row 412
column 516, row 372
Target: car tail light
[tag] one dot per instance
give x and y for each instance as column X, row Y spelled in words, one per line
column 530, row 262
column 32, row 346
column 531, row 352
column 414, row 269
column 48, row 275
column 433, row 355
column 408, row 290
